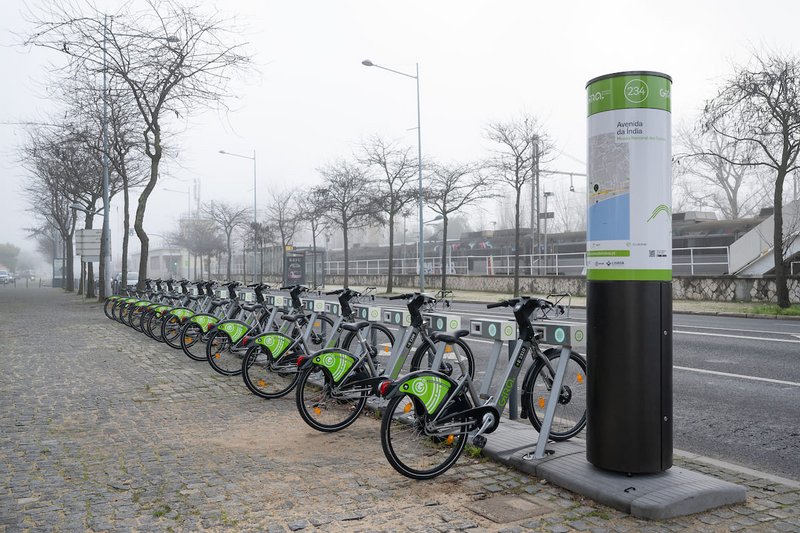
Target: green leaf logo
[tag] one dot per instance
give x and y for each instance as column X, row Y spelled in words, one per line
column 660, row 209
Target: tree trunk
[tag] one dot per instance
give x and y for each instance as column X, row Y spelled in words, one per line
column 346, row 256
column 444, row 253
column 244, row 263
column 781, row 287
column 69, row 271
column 138, row 224
column 389, row 278
column 81, row 281
column 314, row 251
column 101, row 289
column 230, row 252
column 127, row 227
column 516, row 243
column 89, row 287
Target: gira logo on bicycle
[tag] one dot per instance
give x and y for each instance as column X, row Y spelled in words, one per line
column 338, row 363
column 234, row 330
column 509, row 385
column 411, row 340
column 276, row 343
column 432, row 390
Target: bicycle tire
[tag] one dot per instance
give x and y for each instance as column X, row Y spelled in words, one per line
column 193, row 341
column 321, row 329
column 135, row 317
column 408, row 449
column 426, row 352
column 144, row 318
column 570, row 415
column 221, row 356
column 116, row 311
column 263, row 378
column 154, row 326
column 381, row 341
column 171, row 330
column 108, row 306
column 318, row 408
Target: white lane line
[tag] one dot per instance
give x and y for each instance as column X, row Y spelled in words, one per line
column 790, row 341
column 738, row 329
column 741, row 376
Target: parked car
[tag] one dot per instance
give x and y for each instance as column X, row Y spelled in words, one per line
column 5, row 277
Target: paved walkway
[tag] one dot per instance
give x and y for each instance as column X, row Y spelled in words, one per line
column 102, row 429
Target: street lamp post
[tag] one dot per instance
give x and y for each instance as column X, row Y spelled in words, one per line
column 188, row 200
column 106, row 237
column 255, row 209
column 547, row 194
column 368, row 63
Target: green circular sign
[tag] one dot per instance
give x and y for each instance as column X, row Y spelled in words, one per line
column 636, row 91
column 559, row 335
column 453, row 324
column 509, row 331
column 579, row 335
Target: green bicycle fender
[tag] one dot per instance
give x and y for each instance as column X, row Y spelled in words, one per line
column 338, row 362
column 430, row 387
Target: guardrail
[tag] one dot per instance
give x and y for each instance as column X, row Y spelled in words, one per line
column 709, row 260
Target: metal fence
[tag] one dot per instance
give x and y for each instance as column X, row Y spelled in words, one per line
column 685, row 261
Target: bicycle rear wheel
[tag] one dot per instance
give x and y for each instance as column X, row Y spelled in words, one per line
column 223, row 354
column 319, row 407
column 193, row 341
column 570, row 414
column 171, row 327
column 406, row 446
column 267, row 377
column 108, row 306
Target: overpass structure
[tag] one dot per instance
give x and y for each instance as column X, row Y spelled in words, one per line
column 752, row 254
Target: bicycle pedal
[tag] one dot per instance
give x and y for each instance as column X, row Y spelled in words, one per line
column 479, row 441
column 484, row 396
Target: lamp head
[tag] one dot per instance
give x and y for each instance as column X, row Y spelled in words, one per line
column 368, row 63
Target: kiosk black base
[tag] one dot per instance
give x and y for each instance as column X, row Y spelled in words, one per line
column 629, row 376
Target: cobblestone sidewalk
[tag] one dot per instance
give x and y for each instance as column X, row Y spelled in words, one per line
column 106, row 430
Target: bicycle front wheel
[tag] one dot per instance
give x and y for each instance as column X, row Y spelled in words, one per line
column 458, row 352
column 406, row 446
column 266, row 377
column 223, row 354
column 193, row 341
column 570, row 414
column 379, row 343
column 321, row 406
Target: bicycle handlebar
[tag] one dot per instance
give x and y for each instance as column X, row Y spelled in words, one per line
column 401, row 296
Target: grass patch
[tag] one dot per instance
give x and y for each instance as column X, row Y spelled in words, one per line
column 773, row 309
column 161, row 510
column 473, row 451
column 598, row 513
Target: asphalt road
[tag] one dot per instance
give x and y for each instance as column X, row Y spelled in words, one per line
column 736, row 386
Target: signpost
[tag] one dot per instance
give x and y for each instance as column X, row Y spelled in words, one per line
column 87, row 244
column 629, row 273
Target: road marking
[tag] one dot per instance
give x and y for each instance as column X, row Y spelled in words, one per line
column 739, row 330
column 790, row 341
column 741, row 376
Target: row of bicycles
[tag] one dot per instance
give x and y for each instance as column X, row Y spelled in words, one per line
column 422, row 381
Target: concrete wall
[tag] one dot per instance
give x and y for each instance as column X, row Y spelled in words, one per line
column 721, row 289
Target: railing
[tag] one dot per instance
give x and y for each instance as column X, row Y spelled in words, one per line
column 685, row 261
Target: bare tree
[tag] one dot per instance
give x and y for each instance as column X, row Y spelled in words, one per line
column 58, row 164
column 452, row 188
column 201, row 237
column 172, row 59
column 312, row 211
column 397, row 171
column 522, row 146
column 283, row 217
column 759, row 108
column 709, row 180
column 227, row 217
column 347, row 197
